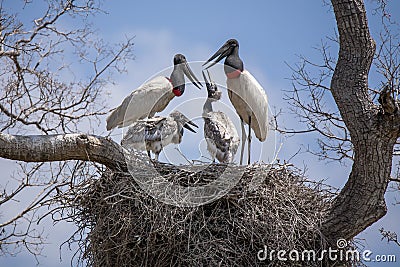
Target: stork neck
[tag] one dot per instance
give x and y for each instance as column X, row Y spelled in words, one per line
column 178, row 81
column 233, row 63
column 207, row 106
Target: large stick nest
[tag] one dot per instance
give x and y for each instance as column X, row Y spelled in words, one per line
column 127, row 227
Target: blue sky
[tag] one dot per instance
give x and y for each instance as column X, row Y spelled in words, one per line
column 271, row 34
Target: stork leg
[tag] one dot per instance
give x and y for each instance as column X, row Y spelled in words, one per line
column 156, row 157
column 159, row 151
column 243, row 141
column 148, row 154
column 249, row 142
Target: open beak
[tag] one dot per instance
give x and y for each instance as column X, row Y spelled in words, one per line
column 221, row 53
column 186, row 125
column 187, row 122
column 205, row 78
column 209, row 84
column 212, row 88
column 188, row 72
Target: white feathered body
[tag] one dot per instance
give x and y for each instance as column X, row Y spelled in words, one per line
column 151, row 97
column 249, row 98
column 221, row 136
column 153, row 134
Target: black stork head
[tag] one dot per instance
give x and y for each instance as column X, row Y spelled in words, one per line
column 212, row 89
column 183, row 121
column 181, row 68
column 230, row 51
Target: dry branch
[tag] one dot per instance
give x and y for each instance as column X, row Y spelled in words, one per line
column 48, row 148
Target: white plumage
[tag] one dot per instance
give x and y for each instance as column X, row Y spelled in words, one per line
column 153, row 96
column 154, row 134
column 249, row 99
column 245, row 93
column 219, row 131
column 145, row 101
column 221, row 136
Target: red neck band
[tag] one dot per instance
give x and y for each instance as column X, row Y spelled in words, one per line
column 176, row 92
column 233, row 74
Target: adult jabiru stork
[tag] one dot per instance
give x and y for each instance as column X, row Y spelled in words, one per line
column 219, row 131
column 155, row 133
column 153, row 96
column 246, row 94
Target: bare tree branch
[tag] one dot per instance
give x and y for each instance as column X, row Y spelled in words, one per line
column 35, row 95
column 41, row 92
column 389, row 236
column 48, row 148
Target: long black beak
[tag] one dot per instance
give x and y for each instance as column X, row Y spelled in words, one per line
column 188, row 72
column 221, row 53
column 186, row 125
column 209, row 84
column 212, row 88
column 186, row 122
column 205, row 77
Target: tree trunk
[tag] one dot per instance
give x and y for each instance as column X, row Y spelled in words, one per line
column 361, row 202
